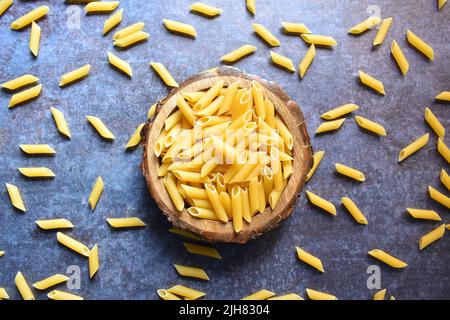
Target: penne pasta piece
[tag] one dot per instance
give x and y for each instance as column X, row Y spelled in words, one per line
column 227, row 102
column 35, row 38
column 441, row 4
column 443, row 96
column 52, row 224
column 72, row 244
column 308, row 258
column 399, row 57
column 370, row 126
column 413, row 147
column 164, row 74
column 202, row 213
column 172, row 120
column 23, row 287
column 131, row 222
column 371, row 82
column 120, row 64
column 443, row 150
column 246, row 214
column 350, row 172
column 445, row 179
column 330, row 126
column 259, row 295
column 37, row 172
column 439, row 197
column 165, row 295
column 37, row 149
column 284, row 133
column 339, row 111
column 172, row 190
column 19, row 82
column 319, row 40
column 420, row 45
column 112, row 21
column 266, row 35
column 201, row 250
column 94, row 263
column 424, row 214
column 434, row 123
column 4, row 5
column 25, row 96
column 61, row 295
column 307, row 60
column 365, row 25
column 379, row 295
column 2, row 253
column 382, row 32
column 354, row 210
column 60, row 122
column 186, row 292
column 191, row 272
column 184, row 233
column 318, row 295
column 3, row 294
column 289, row 296
column 236, row 204
column 213, row 196
column 209, row 96
column 317, row 158
column 388, row 259
column 212, row 108
column 131, row 39
column 151, row 111
column 75, row 75
column 15, row 197
column 50, row 281
column 96, row 192
column 101, row 6
column 135, row 138
column 100, row 127
column 321, row 203
column 180, row 28
column 205, row 9
column 251, row 6
column 138, row 26
column 29, row 17
column 431, row 237
column 194, row 192
column 292, row 27
column 258, row 99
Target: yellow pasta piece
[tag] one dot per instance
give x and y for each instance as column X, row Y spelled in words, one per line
column 186, row 292
column 330, row 126
column 420, row 45
column 239, row 53
column 441, row 4
column 289, row 296
column 319, row 40
column 201, row 250
column 170, row 185
column 61, row 295
column 60, row 122
column 443, row 96
column 112, row 21
column 308, row 258
column 23, row 287
column 151, row 111
column 424, row 214
column 131, row 222
column 236, row 204
column 354, row 210
column 165, row 295
column 25, row 96
column 202, row 213
column 432, row 236
column 399, row 57
column 19, row 82
column 339, row 111
column 251, row 6
column 29, row 17
column 120, row 64
column 75, row 75
column 180, row 28
column 37, row 149
column 382, row 32
column 293, row 27
column 209, row 96
column 72, row 244
column 101, row 6
column 135, row 138
column 365, row 25
column 96, row 192
column 321, row 203
column 100, row 127
column 388, row 259
column 307, row 60
column 4, row 5
column 15, row 197
column 2, row 253
column 317, row 158
column 3, row 294
column 434, row 123
column 213, row 196
column 266, row 35
column 52, row 224
column 370, row 126
column 445, row 179
column 135, row 27
column 439, row 197
column 35, row 38
column 94, row 262
column 131, row 39
column 282, row 61
column 371, row 82
column 191, row 272
column 318, row 295
column 205, row 9
column 260, row 295
column 350, row 172
column 50, row 281
column 443, row 150
column 379, row 295
column 37, row 172
column 184, row 233
column 413, row 147
column 164, row 74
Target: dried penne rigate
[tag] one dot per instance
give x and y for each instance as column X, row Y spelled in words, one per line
column 308, row 258
column 3, row 294
column 202, row 250
column 434, row 123
column 132, row 222
column 180, row 28
column 307, row 60
column 379, row 295
column 96, row 192
column 399, row 57
column 350, row 172
column 445, row 179
column 112, row 21
column 19, row 82
column 205, row 9
column 251, row 6
column 101, row 6
column 50, row 281
column 371, row 82
column 75, row 75
column 382, row 32
column 135, row 138
column 388, row 259
column 293, row 27
column 30, row 17
column 191, row 272
column 370, row 126
column 443, row 96
column 166, row 295
column 37, row 149
column 72, row 244
column 365, row 25
column 239, row 53
column 135, row 27
column 282, row 61
column 443, row 150
column 424, row 214
column 35, row 38
column 354, row 210
column 120, row 64
column 431, row 237
column 94, row 263
column 4, row 5
column 260, row 295
column 413, row 147
column 420, row 45
column 164, row 74
column 330, row 126
column 186, row 292
column 23, row 287
column 339, row 111
column 439, row 197
column 318, row 295
column 319, row 40
column 52, row 224
column 100, row 127
column 131, row 39
column 60, row 121
column 266, row 35
column 37, row 172
column 61, row 295
column 15, row 197
column 25, row 96
column 321, row 203
column 317, row 158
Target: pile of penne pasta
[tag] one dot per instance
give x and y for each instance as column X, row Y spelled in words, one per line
column 225, row 153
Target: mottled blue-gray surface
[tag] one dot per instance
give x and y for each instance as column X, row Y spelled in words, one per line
column 137, row 262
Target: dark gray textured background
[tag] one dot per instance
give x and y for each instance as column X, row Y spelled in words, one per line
column 135, row 263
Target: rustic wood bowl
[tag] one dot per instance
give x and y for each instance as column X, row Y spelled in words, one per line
column 218, row 231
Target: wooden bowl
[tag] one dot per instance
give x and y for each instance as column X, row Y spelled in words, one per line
column 218, row 231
